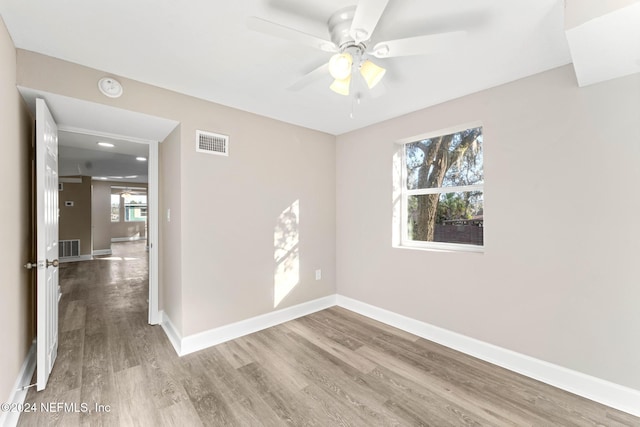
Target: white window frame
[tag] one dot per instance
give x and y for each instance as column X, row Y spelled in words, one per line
column 119, row 208
column 405, row 193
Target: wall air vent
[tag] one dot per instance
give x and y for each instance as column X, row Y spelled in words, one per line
column 212, row 143
column 69, row 248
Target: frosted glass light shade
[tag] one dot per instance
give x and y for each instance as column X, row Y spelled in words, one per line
column 340, row 65
column 371, row 73
column 341, row 86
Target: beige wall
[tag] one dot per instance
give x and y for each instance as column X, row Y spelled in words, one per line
column 170, row 257
column 558, row 280
column 16, row 287
column 228, row 208
column 101, row 215
column 233, row 206
column 75, row 221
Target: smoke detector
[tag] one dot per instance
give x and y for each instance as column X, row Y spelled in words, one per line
column 110, row 87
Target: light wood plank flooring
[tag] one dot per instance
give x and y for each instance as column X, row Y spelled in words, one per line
column 331, row 368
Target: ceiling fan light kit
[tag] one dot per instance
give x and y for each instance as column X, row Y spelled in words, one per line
column 340, row 65
column 351, row 29
column 372, row 73
column 341, row 86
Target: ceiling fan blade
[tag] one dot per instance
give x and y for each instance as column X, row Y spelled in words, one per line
column 277, row 30
column 420, row 45
column 366, row 18
column 312, row 76
column 378, row 90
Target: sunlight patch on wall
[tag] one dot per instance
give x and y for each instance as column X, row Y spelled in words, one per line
column 286, row 253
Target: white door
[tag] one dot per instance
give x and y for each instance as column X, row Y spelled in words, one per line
column 46, row 242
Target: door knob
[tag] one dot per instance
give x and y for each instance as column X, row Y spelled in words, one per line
column 54, row 263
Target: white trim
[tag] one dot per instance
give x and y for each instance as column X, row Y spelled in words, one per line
column 19, row 392
column 170, row 330
column 401, row 223
column 202, row 340
column 73, row 129
column 442, row 190
column 99, row 252
column 440, row 132
column 128, row 187
column 153, row 231
column 69, row 180
column 605, row 392
column 75, row 258
column 613, row 395
column 127, row 239
column 439, row 246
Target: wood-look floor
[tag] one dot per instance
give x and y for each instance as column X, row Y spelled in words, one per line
column 331, row 368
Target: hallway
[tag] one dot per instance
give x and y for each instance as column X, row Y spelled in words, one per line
column 103, row 332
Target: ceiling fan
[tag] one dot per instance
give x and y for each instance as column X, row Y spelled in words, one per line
column 351, row 29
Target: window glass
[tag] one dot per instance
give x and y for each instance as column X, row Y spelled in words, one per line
column 443, row 189
column 115, row 208
column 135, row 207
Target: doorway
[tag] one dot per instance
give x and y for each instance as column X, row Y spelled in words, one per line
column 96, row 169
column 80, row 117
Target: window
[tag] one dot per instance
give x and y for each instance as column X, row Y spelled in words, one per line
column 115, row 208
column 135, row 207
column 442, row 191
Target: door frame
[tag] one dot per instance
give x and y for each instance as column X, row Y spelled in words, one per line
column 153, row 208
column 153, row 230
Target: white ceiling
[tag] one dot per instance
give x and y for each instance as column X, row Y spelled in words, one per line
column 604, row 38
column 203, row 48
column 79, row 154
column 82, row 124
column 78, row 115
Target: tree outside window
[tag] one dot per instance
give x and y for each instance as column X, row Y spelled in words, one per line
column 443, row 193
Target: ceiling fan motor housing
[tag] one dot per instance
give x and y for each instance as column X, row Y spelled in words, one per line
column 340, row 27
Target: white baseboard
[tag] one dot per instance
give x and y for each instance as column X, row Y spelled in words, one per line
column 127, row 239
column 76, row 258
column 202, row 340
column 170, row 330
column 99, row 252
column 19, row 393
column 613, row 395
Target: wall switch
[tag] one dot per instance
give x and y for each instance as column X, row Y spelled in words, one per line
column 168, row 215
column 318, row 274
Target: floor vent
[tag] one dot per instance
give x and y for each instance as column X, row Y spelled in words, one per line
column 69, row 248
column 212, row 143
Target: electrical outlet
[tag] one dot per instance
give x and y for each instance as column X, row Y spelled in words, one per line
column 318, row 274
